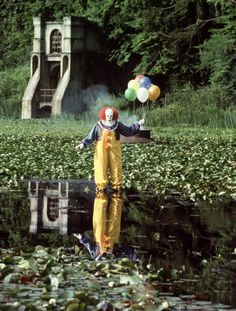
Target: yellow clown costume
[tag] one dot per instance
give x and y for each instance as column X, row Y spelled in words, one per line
column 107, row 221
column 107, row 157
column 105, row 243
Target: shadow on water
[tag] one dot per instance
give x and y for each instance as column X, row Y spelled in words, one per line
column 188, row 248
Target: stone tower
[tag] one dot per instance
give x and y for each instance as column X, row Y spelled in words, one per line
column 67, row 58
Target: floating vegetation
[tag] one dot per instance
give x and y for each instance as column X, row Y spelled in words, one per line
column 184, row 253
column 197, row 162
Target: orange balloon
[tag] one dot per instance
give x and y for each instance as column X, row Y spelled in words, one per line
column 154, row 92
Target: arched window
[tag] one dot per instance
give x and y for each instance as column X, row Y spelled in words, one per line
column 55, row 42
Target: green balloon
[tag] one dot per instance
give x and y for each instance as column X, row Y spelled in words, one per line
column 130, row 94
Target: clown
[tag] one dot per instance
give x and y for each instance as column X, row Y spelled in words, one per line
column 107, row 158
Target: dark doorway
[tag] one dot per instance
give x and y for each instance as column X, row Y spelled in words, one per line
column 54, row 75
column 45, row 112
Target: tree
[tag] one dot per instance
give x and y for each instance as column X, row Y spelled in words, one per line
column 177, row 38
column 218, row 53
column 162, row 36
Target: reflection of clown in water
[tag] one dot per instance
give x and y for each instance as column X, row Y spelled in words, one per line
column 106, row 133
column 106, row 229
column 106, row 222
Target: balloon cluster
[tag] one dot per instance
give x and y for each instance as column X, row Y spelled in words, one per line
column 142, row 88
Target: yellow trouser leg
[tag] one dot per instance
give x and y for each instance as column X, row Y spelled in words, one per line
column 100, row 220
column 106, row 222
column 108, row 155
column 115, row 164
column 114, row 220
column 100, row 165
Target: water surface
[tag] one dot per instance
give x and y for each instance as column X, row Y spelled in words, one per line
column 191, row 245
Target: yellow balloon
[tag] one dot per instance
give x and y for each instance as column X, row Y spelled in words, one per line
column 133, row 84
column 154, row 92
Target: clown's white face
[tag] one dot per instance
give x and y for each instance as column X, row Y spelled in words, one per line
column 109, row 114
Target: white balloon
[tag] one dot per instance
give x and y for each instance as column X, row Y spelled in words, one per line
column 142, row 94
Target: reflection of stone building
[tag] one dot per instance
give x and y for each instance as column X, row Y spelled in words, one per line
column 67, row 58
column 54, row 206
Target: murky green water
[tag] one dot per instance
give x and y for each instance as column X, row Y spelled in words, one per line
column 192, row 247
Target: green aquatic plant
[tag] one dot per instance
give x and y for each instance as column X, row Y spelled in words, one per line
column 198, row 162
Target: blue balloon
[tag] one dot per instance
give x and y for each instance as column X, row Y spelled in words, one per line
column 145, row 82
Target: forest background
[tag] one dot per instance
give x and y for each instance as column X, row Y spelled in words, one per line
column 187, row 46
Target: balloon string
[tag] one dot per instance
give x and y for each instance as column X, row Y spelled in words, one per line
column 133, row 107
column 143, row 111
column 144, row 114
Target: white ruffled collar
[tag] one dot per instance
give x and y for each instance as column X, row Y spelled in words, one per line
column 108, row 125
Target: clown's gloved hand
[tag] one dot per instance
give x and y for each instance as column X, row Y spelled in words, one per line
column 141, row 122
column 80, row 146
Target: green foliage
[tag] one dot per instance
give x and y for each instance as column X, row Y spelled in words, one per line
column 16, row 31
column 185, row 41
column 118, row 102
column 218, row 52
column 187, row 160
column 157, row 37
column 156, row 33
column 46, row 278
column 12, row 86
column 186, row 106
column 163, row 38
column 196, row 162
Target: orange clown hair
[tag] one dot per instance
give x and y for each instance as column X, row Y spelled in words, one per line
column 102, row 115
